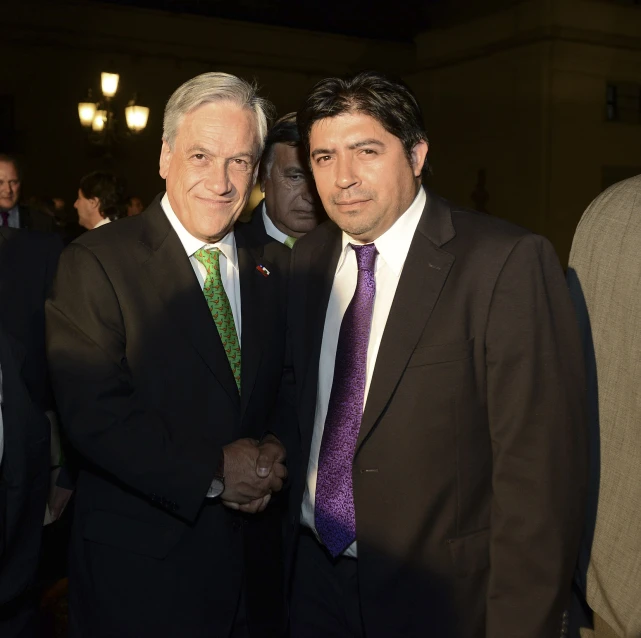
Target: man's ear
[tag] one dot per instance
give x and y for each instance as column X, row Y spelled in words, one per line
column 419, row 153
column 95, row 203
column 165, row 159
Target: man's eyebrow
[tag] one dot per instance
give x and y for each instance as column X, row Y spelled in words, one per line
column 202, row 149
column 323, row 151
column 370, row 142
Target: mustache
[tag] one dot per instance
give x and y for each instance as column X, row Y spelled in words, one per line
column 349, row 196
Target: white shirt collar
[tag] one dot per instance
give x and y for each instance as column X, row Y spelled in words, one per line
column 191, row 244
column 102, row 222
column 270, row 227
column 394, row 244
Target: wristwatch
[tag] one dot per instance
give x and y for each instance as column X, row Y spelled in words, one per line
column 217, row 486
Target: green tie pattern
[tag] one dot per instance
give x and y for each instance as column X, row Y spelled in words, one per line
column 220, row 308
column 290, row 241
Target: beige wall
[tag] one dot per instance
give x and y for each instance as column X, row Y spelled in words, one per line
column 521, row 93
column 597, row 46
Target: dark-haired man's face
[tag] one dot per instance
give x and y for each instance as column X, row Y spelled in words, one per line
column 88, row 210
column 362, row 173
column 290, row 194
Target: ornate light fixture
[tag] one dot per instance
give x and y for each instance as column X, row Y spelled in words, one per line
column 99, row 120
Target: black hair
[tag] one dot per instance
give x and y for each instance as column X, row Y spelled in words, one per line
column 284, row 131
column 389, row 101
column 109, row 190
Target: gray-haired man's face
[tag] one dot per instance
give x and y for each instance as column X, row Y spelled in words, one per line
column 212, row 168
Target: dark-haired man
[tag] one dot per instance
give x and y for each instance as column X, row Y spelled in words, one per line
column 100, row 199
column 291, row 206
column 440, row 396
column 12, row 214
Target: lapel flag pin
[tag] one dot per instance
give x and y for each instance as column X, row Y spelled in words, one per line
column 262, row 270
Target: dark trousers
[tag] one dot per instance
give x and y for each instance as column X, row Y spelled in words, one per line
column 325, row 598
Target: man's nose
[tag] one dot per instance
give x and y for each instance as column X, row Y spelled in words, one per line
column 218, row 179
column 345, row 174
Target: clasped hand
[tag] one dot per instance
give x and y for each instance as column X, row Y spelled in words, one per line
column 253, row 472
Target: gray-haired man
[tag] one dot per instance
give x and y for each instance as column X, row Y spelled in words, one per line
column 168, row 412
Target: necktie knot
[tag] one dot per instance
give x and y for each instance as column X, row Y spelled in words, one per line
column 365, row 256
column 210, row 259
column 290, row 241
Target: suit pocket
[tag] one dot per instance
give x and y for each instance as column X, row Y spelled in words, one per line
column 139, row 537
column 470, row 553
column 428, row 355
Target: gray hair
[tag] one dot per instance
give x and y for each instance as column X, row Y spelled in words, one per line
column 215, row 87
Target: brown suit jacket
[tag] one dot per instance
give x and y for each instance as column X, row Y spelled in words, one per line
column 469, row 474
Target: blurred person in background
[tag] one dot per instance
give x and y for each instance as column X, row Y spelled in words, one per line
column 134, row 206
column 12, row 213
column 100, row 199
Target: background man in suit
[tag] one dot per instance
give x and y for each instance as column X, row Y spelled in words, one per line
column 12, row 214
column 28, row 262
column 24, row 484
column 291, row 206
column 603, row 275
column 144, row 330
column 440, row 396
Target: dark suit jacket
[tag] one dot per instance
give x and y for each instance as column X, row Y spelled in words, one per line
column 469, row 473
column 28, row 262
column 24, row 479
column 257, row 222
column 32, row 219
column 148, row 399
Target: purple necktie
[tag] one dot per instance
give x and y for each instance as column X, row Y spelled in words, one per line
column 5, row 218
column 334, row 511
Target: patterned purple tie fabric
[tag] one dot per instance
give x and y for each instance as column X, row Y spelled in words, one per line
column 334, row 511
column 4, row 215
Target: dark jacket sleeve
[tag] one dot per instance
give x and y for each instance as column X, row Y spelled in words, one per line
column 103, row 416
column 537, row 415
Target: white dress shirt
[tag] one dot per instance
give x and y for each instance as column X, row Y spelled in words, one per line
column 270, row 228
column 229, row 272
column 392, row 248
column 13, row 219
column 102, row 222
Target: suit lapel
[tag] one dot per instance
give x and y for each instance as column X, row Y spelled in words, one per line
column 257, row 307
column 424, row 273
column 170, row 272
